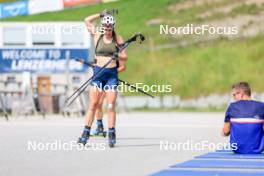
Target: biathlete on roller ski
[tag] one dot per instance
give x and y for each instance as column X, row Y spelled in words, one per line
column 121, row 66
column 106, row 82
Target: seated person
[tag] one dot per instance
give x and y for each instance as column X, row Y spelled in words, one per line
column 244, row 121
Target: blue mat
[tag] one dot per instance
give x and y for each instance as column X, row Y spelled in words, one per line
column 206, row 173
column 231, row 156
column 221, row 164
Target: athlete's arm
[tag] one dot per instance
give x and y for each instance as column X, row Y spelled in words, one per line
column 228, row 115
column 122, row 57
column 226, row 129
column 122, row 66
column 89, row 23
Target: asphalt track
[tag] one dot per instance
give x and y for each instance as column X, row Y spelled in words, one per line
column 138, row 150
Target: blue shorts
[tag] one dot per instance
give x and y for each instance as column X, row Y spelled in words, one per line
column 107, row 79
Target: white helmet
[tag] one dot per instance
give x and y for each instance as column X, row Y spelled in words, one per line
column 108, row 20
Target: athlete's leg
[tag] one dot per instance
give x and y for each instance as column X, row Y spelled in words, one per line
column 111, row 95
column 99, row 110
column 111, row 103
column 94, row 97
column 99, row 116
column 94, row 94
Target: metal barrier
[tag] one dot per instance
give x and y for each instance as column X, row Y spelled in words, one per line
column 15, row 101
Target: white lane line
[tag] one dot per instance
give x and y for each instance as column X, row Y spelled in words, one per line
column 170, row 125
column 244, row 170
column 119, row 125
column 234, row 159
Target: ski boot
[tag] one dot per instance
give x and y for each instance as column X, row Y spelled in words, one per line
column 85, row 136
column 111, row 138
column 100, row 131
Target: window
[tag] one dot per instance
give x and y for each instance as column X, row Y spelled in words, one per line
column 14, row 36
column 43, row 36
column 72, row 35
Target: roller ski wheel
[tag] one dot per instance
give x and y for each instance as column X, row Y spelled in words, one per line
column 111, row 145
column 111, row 139
column 102, row 134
